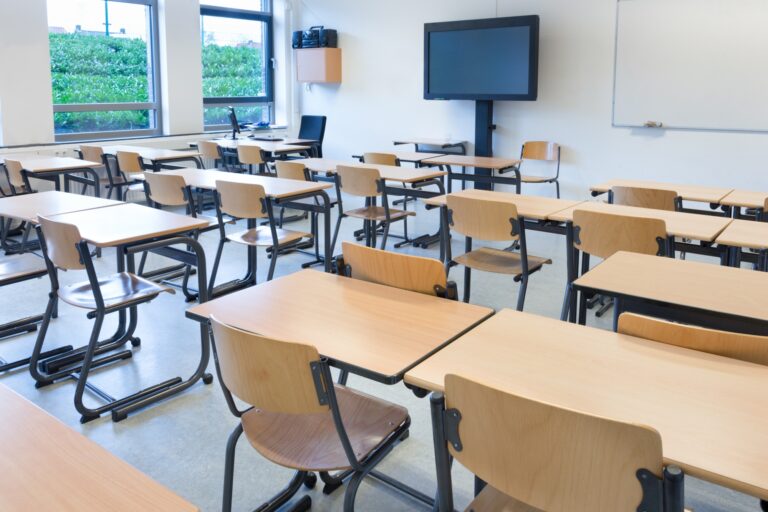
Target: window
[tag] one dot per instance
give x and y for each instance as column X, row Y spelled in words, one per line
column 103, row 68
column 237, row 61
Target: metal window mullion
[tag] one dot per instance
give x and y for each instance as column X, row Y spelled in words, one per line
column 101, row 107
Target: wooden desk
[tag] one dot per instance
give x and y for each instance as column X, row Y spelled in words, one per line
column 698, row 193
column 49, row 168
column 745, row 199
column 126, row 223
column 388, row 172
column 156, row 156
column 370, row 329
column 495, row 164
column 531, row 207
column 709, row 295
column 275, row 148
column 442, row 143
column 746, row 234
column 687, row 225
column 274, row 187
column 48, row 466
column 415, row 157
column 710, row 410
column 29, row 206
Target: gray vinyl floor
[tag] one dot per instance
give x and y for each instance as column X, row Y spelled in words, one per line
column 181, row 441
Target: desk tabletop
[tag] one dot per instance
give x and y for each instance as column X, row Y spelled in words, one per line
column 485, row 162
column 377, row 328
column 28, row 206
column 154, row 154
column 698, row 193
column 531, row 207
column 688, row 225
column 745, row 233
column 48, row 466
column 444, row 143
column 127, row 223
column 40, row 165
column 406, row 156
column 745, row 199
column 388, row 172
column 710, row 410
column 264, row 145
column 277, row 188
column 733, row 291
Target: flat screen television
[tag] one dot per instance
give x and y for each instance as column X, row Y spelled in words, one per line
column 490, row 59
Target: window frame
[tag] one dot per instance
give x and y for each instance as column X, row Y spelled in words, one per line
column 153, row 67
column 268, row 99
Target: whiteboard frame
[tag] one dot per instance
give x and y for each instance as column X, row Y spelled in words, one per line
column 664, row 127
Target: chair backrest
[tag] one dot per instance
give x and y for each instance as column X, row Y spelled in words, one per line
column 242, row 200
column 61, row 241
column 166, row 189
column 268, row 374
column 380, row 159
column 291, row 170
column 603, row 234
column 745, row 347
column 14, row 168
column 641, row 197
column 249, row 154
column 481, row 219
column 208, row 149
column 129, row 162
column 92, row 153
column 551, row 458
column 403, row 271
column 312, row 128
column 359, row 181
column 540, row 150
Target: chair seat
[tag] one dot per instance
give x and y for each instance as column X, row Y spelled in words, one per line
column 377, row 213
column 262, row 236
column 116, row 289
column 21, row 267
column 536, row 179
column 499, row 261
column 492, row 500
column 311, row 443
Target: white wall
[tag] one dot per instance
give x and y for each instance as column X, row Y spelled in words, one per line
column 382, row 90
column 26, row 112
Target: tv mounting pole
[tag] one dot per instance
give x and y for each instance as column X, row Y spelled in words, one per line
column 484, row 138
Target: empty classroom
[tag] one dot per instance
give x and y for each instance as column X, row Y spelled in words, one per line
column 338, row 255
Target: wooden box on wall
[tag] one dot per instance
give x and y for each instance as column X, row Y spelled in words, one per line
column 318, row 65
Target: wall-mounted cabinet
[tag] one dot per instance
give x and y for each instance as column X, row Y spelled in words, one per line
column 318, row 65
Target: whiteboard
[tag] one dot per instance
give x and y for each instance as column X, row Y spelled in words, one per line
column 692, row 64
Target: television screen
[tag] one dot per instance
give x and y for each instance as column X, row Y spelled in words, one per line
column 492, row 59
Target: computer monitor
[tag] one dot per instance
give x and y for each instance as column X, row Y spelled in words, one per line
column 233, row 122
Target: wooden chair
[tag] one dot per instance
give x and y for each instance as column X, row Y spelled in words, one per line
column 642, row 197
column 131, row 169
column 413, row 273
column 744, row 347
column 544, row 152
column 297, row 418
column 249, row 201
column 492, row 221
column 210, row 150
column 15, row 175
column 64, row 248
column 250, row 155
column 366, row 182
column 536, row 456
column 111, row 181
column 381, row 159
column 602, row 234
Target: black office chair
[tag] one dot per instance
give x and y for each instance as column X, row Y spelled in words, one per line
column 313, row 128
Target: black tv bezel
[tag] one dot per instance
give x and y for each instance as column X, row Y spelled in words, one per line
column 531, row 21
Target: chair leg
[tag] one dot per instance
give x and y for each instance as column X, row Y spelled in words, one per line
column 215, row 270
column 521, row 295
column 566, row 303
column 335, row 234
column 142, row 262
column 229, row 467
column 557, row 187
column 351, row 492
column 273, row 261
column 467, row 282
column 385, row 235
column 86, row 368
